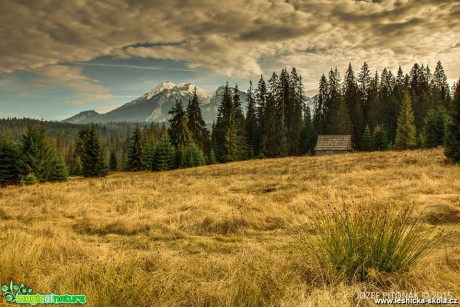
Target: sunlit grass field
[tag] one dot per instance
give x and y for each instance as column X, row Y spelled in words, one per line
column 234, row 234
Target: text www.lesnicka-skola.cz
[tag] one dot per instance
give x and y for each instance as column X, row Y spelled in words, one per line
column 414, row 298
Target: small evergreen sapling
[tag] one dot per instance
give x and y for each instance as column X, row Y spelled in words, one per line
column 405, row 131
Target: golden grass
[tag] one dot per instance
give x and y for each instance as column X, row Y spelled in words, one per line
column 221, row 235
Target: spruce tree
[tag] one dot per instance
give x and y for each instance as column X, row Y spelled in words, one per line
column 194, row 156
column 373, row 113
column 93, row 159
column 228, row 134
column 58, row 171
column 433, row 130
column 405, row 131
column 196, row 124
column 452, row 138
column 178, row 131
column 274, row 141
column 76, row 165
column 181, row 157
column 321, row 112
column 239, row 122
column 367, row 143
column 333, row 100
column 251, row 123
column 422, row 102
column 365, row 87
column 9, row 155
column 113, row 161
column 380, row 138
column 136, row 154
column 211, row 157
column 340, row 121
column 354, row 105
column 261, row 105
column 308, row 135
column 39, row 157
column 295, row 111
column 149, row 155
column 389, row 102
column 163, row 130
column 165, row 156
column 441, row 86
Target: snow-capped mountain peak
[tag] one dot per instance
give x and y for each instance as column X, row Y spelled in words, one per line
column 188, row 89
column 156, row 103
column 167, row 85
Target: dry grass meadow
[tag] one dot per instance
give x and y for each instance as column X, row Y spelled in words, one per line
column 222, row 235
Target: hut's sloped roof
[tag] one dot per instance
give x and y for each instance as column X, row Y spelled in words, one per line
column 334, row 142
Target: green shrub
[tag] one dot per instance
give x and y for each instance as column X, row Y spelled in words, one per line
column 29, row 179
column 356, row 241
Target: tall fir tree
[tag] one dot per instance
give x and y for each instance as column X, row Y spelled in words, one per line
column 93, row 159
column 113, row 161
column 261, row 105
column 296, row 109
column 390, row 103
column 373, row 114
column 354, row 106
column 320, row 111
column 76, row 165
column 136, row 155
column 228, row 138
column 420, row 94
column 178, row 131
column 334, row 99
column 251, row 123
column 274, row 134
column 452, row 138
column 365, row 86
column 406, row 131
column 196, row 125
column 340, row 121
column 149, row 155
column 239, row 125
column 308, row 135
column 441, row 86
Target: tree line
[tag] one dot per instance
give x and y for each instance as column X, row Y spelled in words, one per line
column 382, row 111
column 373, row 108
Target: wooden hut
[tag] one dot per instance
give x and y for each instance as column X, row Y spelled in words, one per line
column 333, row 144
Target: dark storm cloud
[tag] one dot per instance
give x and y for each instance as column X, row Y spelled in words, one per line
column 229, row 38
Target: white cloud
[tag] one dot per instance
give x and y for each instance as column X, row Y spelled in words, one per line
column 232, row 40
column 84, row 88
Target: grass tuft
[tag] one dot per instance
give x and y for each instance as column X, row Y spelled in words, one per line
column 358, row 242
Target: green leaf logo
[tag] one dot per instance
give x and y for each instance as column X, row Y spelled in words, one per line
column 10, row 292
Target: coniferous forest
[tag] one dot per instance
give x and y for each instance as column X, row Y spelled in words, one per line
column 381, row 110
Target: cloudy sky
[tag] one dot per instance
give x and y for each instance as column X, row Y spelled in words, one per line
column 58, row 58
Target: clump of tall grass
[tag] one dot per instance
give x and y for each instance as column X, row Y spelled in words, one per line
column 356, row 241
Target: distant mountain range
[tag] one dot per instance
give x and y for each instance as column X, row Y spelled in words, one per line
column 154, row 105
